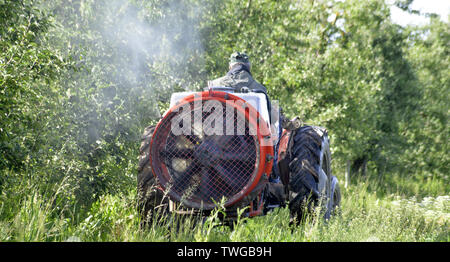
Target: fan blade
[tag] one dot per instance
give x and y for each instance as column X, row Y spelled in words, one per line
column 177, row 153
column 240, row 150
column 208, row 185
column 231, row 179
column 205, row 182
column 182, row 180
column 237, row 156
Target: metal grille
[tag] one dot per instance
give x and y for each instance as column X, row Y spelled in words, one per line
column 200, row 167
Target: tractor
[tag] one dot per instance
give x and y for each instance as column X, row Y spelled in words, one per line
column 233, row 147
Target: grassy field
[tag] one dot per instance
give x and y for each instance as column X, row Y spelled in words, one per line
column 369, row 212
column 81, row 80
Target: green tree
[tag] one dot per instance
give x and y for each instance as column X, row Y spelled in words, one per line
column 428, row 132
column 28, row 96
column 335, row 64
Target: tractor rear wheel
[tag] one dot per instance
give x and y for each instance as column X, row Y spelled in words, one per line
column 151, row 200
column 311, row 183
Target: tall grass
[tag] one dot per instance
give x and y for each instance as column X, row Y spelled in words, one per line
column 35, row 219
column 364, row 215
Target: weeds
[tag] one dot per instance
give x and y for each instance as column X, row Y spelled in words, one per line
column 363, row 216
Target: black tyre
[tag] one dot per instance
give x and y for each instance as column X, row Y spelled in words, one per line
column 311, row 182
column 151, row 200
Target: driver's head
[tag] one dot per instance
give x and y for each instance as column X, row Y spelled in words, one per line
column 239, row 58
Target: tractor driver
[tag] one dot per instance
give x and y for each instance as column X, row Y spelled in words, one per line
column 238, row 76
column 240, row 79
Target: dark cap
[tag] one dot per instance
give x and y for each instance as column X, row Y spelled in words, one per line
column 238, row 57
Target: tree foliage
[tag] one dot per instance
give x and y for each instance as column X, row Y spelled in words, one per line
column 80, row 79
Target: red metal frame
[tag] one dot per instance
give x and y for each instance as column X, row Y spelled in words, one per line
column 284, row 142
column 265, row 163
